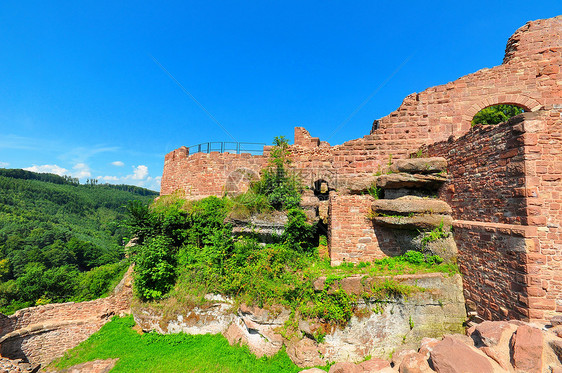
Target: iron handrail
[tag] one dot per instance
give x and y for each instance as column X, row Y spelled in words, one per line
column 226, row 147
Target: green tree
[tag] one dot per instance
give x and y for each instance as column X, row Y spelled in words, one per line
column 496, row 114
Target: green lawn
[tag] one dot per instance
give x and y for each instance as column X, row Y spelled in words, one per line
column 170, row 353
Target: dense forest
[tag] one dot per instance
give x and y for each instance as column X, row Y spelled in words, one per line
column 60, row 240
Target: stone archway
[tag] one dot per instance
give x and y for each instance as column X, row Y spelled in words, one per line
column 527, row 103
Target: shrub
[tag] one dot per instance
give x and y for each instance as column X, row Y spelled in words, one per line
column 155, row 270
column 298, row 233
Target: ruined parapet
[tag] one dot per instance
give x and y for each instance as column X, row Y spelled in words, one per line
column 40, row 334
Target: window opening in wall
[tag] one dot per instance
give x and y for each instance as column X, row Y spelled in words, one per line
column 496, row 114
column 321, row 190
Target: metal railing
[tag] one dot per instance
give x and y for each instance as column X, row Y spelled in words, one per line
column 253, row 148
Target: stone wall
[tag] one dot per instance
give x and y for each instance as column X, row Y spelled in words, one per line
column 529, row 77
column 351, row 236
column 41, row 334
column 505, row 192
column 206, row 174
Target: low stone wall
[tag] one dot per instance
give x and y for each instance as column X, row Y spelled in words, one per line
column 41, row 334
column 377, row 328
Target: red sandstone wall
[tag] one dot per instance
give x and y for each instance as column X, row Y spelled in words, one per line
column 41, row 334
column 509, row 175
column 529, row 77
column 351, row 235
column 201, row 175
column 543, row 162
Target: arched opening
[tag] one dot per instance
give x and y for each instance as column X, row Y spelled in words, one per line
column 496, row 114
column 321, row 189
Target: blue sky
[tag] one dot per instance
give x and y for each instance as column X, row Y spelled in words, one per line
column 81, row 92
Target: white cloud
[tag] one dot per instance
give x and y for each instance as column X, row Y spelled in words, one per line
column 108, row 178
column 139, row 177
column 48, row 169
column 81, row 170
column 140, row 172
column 118, row 163
column 4, row 164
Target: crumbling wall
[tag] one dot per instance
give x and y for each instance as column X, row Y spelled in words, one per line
column 506, row 179
column 41, row 334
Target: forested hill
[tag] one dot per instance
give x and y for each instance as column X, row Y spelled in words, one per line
column 54, row 231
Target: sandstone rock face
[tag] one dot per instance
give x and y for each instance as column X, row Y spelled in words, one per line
column 429, row 165
column 404, row 180
column 17, row 366
column 410, row 205
column 264, row 226
column 453, row 356
column 425, row 222
column 376, row 329
column 359, row 184
column 304, row 353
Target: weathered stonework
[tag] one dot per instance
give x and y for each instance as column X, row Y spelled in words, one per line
column 41, row 334
column 505, row 182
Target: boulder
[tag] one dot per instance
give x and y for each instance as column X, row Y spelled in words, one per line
column 359, row 184
column 313, row 370
column 352, row 285
column 420, row 165
column 399, row 356
column 453, row 356
column 527, row 348
column 403, row 180
column 427, row 345
column 415, row 363
column 345, row 368
column 491, row 333
column 374, row 365
column 421, row 222
column 410, row 205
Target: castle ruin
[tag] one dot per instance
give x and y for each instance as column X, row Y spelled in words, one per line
column 504, row 184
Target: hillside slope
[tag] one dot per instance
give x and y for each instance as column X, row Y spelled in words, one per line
column 59, row 240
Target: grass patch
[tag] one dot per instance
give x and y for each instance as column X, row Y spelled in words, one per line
column 169, row 353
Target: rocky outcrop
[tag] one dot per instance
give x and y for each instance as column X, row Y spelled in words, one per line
column 411, row 205
column 431, row 165
column 418, row 222
column 378, row 326
column 265, row 226
column 489, row 347
column 405, row 180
